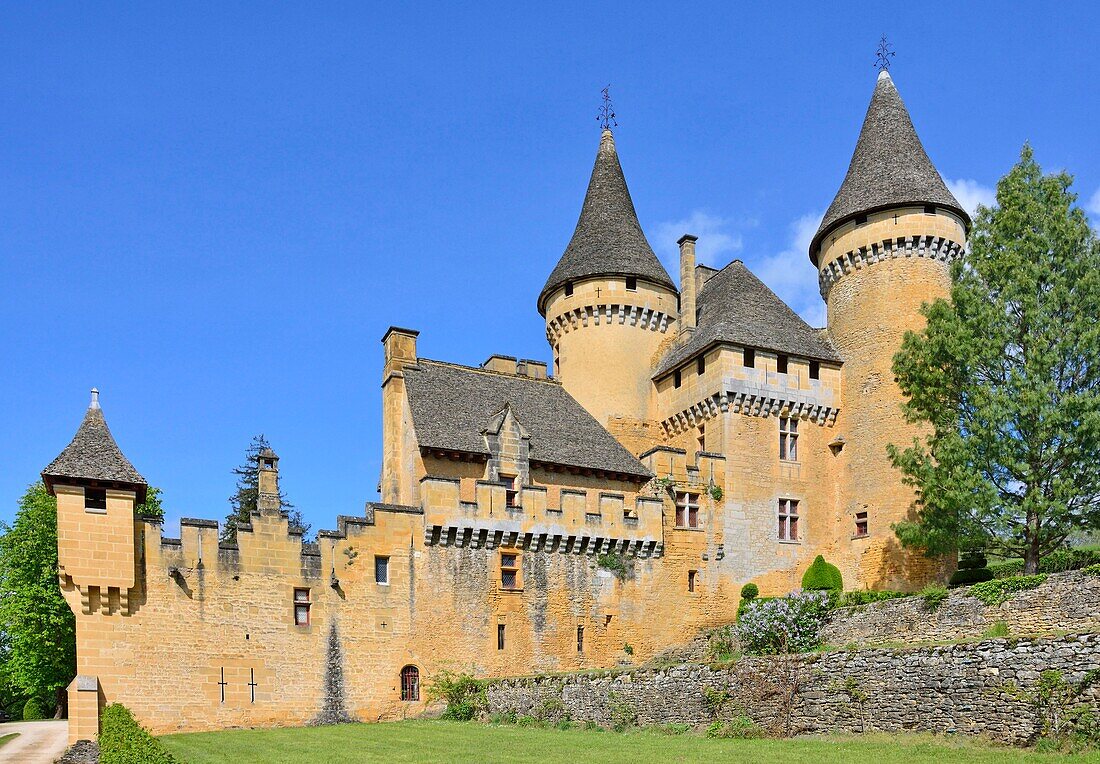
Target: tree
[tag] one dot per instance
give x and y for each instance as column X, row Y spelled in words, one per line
column 152, row 506
column 39, row 630
column 243, row 501
column 1007, row 378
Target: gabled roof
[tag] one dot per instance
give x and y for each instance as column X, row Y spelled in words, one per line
column 93, row 455
column 452, row 407
column 889, row 167
column 737, row 308
column 608, row 240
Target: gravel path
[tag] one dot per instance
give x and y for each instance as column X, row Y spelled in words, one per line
column 38, row 742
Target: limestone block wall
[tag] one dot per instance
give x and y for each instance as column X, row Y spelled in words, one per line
column 1065, row 602
column 961, row 688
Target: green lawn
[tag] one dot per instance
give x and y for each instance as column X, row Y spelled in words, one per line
column 8, row 738
column 437, row 741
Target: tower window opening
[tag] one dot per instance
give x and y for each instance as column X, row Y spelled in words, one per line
column 702, row 439
column 509, row 571
column 632, row 285
column 500, row 636
column 676, row 380
column 781, row 363
column 301, row 607
column 750, row 358
column 701, row 365
column 815, row 370
column 788, row 439
column 382, row 570
column 569, row 289
column 861, row 523
column 580, row 639
column 511, row 490
column 95, row 499
column 861, row 220
column 692, row 575
column 929, row 209
column 788, row 520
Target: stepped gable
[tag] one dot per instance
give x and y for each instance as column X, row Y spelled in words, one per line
column 451, row 404
column 889, row 167
column 93, row 455
column 608, row 240
column 736, row 307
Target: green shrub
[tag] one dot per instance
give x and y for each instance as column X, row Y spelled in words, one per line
column 822, row 576
column 464, row 695
column 1007, row 569
column 750, row 592
column 1069, row 559
column 123, row 741
column 463, row 711
column 867, row 596
column 966, row 576
column 999, row 590
column 1092, row 570
column 998, row 630
column 972, row 561
column 615, row 563
column 530, row 721
column 934, row 596
column 723, row 645
column 564, row 724
column 504, row 718
column 34, row 709
column 738, row 728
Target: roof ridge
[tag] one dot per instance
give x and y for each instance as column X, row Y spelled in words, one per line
column 483, row 370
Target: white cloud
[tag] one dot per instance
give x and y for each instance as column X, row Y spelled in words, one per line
column 1092, row 206
column 717, row 240
column 790, row 274
column 971, row 193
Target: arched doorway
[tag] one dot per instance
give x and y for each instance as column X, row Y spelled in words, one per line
column 410, row 683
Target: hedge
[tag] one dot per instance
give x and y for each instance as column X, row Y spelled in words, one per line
column 123, row 741
column 970, row 576
column 821, row 576
column 34, row 709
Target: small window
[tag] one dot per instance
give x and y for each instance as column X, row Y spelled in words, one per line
column 557, row 361
column 692, row 575
column 861, row 220
column 410, row 683
column 861, row 523
column 269, row 463
column 382, row 570
column 580, row 639
column 701, row 365
column 687, row 510
column 750, row 358
column 788, row 439
column 702, row 439
column 95, row 499
column 509, row 570
column 676, row 379
column 788, row 520
column 929, row 209
column 500, row 636
column 569, row 289
column 301, row 607
column 632, row 285
column 815, row 370
column 781, row 363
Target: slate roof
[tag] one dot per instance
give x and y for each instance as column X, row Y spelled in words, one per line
column 889, row 167
column 735, row 307
column 93, row 454
column 608, row 240
column 453, row 405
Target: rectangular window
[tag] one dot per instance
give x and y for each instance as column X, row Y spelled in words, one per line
column 632, row 285
column 301, row 607
column 781, row 363
column 580, row 639
column 382, row 570
column 569, row 289
column 702, row 439
column 687, row 510
column 95, row 499
column 788, row 520
column 861, row 220
column 500, row 636
column 701, row 365
column 929, row 209
column 815, row 370
column 511, row 491
column 750, row 358
column 692, row 574
column 509, row 570
column 861, row 523
column 788, row 439
column 676, row 378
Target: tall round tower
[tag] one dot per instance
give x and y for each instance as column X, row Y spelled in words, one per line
column 883, row 249
column 609, row 302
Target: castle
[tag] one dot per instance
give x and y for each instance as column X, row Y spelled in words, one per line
column 691, row 437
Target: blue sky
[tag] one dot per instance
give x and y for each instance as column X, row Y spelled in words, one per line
column 213, row 213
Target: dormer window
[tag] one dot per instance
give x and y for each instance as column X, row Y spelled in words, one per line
column 750, row 358
column 676, row 378
column 862, row 219
column 815, row 370
column 569, row 289
column 929, row 209
column 701, row 365
column 632, row 285
column 95, row 500
column 781, row 363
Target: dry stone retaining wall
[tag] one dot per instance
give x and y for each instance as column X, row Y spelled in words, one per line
column 960, row 688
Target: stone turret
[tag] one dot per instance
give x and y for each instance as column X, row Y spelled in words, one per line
column 883, row 249
column 609, row 302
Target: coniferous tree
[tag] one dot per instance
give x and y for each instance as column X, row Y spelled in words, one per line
column 244, row 499
column 1007, row 377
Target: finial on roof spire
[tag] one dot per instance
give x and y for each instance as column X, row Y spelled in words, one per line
column 95, row 399
column 606, row 115
column 883, row 55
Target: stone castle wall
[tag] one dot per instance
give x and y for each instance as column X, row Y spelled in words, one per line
column 960, row 688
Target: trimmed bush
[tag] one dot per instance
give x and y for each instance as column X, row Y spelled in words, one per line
column 750, row 592
column 123, row 741
column 34, row 709
column 970, row 576
column 972, row 561
column 822, row 576
column 1007, row 569
column 867, row 596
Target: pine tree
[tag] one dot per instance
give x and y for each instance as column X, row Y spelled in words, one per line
column 243, row 501
column 1007, row 377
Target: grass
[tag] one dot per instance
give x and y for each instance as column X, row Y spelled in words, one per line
column 8, row 738
column 438, row 741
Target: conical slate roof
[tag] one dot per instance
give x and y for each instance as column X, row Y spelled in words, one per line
column 93, row 455
column 889, row 167
column 608, row 240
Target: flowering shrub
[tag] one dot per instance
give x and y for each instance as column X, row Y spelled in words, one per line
column 787, row 624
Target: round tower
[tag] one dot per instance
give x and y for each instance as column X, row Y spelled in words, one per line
column 883, row 249
column 609, row 302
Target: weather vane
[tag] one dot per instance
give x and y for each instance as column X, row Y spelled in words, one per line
column 883, row 55
column 606, row 116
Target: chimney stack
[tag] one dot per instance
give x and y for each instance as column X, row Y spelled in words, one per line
column 687, row 283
